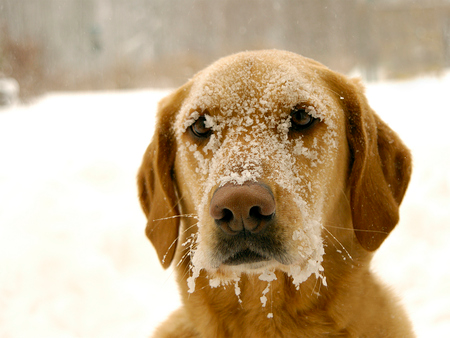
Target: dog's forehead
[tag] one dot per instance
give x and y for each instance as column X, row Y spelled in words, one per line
column 264, row 81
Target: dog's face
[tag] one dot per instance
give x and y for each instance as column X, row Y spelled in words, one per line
column 269, row 152
column 256, row 128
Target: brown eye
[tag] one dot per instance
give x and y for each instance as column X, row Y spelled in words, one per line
column 300, row 119
column 199, row 129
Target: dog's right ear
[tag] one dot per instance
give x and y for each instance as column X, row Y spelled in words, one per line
column 155, row 181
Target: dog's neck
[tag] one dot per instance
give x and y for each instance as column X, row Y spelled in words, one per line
column 275, row 305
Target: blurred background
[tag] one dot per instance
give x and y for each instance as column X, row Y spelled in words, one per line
column 79, row 86
column 115, row 44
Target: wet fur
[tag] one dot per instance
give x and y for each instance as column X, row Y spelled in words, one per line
column 372, row 176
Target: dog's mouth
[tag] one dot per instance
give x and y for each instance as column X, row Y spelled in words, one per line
column 244, row 257
column 235, row 251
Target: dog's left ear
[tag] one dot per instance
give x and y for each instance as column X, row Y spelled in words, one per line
column 380, row 170
column 156, row 184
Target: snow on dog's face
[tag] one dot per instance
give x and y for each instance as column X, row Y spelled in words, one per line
column 261, row 122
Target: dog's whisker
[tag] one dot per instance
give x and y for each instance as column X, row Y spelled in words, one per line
column 338, row 250
column 339, row 242
column 189, row 228
column 357, row 230
column 176, row 216
column 168, row 249
column 170, row 246
column 186, row 272
column 187, row 269
column 190, row 245
column 313, row 291
column 178, row 237
column 346, row 197
column 338, row 227
column 372, row 231
column 185, row 256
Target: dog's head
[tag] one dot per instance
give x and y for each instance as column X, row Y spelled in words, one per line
column 259, row 154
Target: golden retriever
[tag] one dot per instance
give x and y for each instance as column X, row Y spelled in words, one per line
column 268, row 184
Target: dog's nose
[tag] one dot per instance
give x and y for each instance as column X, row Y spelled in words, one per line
column 239, row 208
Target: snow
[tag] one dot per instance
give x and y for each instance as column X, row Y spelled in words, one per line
column 73, row 255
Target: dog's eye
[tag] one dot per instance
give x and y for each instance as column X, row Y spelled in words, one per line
column 199, row 129
column 300, row 119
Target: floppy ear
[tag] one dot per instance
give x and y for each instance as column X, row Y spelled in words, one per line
column 155, row 181
column 380, row 170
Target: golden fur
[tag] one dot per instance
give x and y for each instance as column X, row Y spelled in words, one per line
column 349, row 171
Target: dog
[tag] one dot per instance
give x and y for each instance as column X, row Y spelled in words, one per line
column 269, row 183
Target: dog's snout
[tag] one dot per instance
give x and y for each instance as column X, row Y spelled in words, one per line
column 240, row 208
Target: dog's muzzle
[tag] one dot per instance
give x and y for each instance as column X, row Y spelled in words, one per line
column 238, row 209
column 245, row 216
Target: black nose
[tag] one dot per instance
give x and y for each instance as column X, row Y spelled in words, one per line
column 239, row 208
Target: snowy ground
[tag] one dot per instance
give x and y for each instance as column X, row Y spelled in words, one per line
column 74, row 261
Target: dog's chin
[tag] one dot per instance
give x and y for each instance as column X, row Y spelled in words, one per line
column 252, row 261
column 246, row 256
column 251, row 267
